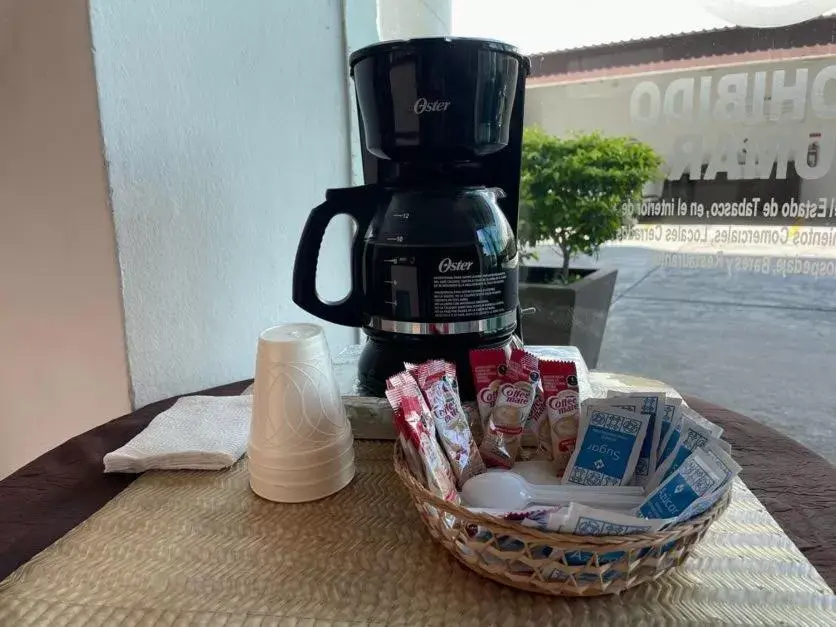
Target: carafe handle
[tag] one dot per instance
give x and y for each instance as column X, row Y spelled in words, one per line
column 360, row 203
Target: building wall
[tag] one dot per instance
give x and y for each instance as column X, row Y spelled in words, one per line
column 62, row 351
column 604, row 104
column 223, row 127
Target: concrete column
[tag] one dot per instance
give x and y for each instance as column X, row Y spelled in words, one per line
column 404, row 19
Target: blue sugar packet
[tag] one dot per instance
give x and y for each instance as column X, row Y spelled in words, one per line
column 583, row 520
column 697, row 476
column 692, row 437
column 687, row 412
column 701, row 505
column 717, row 451
column 607, row 447
column 670, row 443
column 670, row 440
column 619, row 402
column 652, row 405
column 670, row 416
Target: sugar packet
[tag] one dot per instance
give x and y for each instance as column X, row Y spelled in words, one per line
column 589, row 521
column 437, row 380
column 415, row 424
column 715, row 450
column 700, row 506
column 652, row 406
column 562, row 402
column 671, row 441
column 670, row 416
column 692, row 436
column 583, row 520
column 608, row 447
column 698, row 475
column 514, row 399
column 688, row 412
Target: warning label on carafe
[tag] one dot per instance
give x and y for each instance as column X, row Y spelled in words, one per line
column 470, row 295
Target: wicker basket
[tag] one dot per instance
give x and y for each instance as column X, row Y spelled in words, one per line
column 550, row 562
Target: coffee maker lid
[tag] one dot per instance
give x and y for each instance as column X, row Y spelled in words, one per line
column 411, row 45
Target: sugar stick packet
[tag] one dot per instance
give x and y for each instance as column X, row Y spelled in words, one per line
column 562, row 401
column 412, row 417
column 692, row 437
column 514, row 399
column 413, row 458
column 698, row 475
column 608, row 446
column 437, row 380
column 652, row 406
column 589, row 521
column 672, row 411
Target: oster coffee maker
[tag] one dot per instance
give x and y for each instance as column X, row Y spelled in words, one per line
column 434, row 261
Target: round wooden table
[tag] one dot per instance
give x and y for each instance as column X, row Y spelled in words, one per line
column 48, row 497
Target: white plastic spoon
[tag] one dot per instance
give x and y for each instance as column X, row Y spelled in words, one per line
column 508, row 490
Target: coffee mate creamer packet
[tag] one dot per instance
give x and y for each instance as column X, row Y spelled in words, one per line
column 514, row 399
column 536, row 428
column 560, row 389
column 488, row 367
column 609, row 441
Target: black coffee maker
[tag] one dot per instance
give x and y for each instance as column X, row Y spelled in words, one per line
column 434, row 262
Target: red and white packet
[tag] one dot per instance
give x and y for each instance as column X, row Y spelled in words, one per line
column 437, row 379
column 536, row 432
column 488, row 367
column 416, row 426
column 514, row 400
column 560, row 388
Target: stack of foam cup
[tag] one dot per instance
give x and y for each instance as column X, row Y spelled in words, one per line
column 301, row 447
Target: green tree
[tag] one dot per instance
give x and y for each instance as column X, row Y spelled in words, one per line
column 579, row 192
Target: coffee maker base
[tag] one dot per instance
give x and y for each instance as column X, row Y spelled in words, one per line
column 381, row 359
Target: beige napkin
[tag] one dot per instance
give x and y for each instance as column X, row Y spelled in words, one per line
column 197, row 433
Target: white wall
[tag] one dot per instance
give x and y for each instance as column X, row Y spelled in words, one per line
column 224, row 123
column 62, row 351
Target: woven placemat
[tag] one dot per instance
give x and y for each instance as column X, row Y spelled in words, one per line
column 199, row 548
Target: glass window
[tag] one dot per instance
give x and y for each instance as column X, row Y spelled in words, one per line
column 725, row 263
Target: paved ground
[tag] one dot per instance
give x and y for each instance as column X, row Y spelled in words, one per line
column 746, row 326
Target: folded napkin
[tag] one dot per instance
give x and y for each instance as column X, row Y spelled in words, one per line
column 198, row 433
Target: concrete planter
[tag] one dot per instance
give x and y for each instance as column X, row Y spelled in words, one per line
column 574, row 314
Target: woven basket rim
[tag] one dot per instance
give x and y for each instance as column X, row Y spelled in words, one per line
column 501, row 526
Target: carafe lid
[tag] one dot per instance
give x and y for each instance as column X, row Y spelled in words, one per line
column 432, row 43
